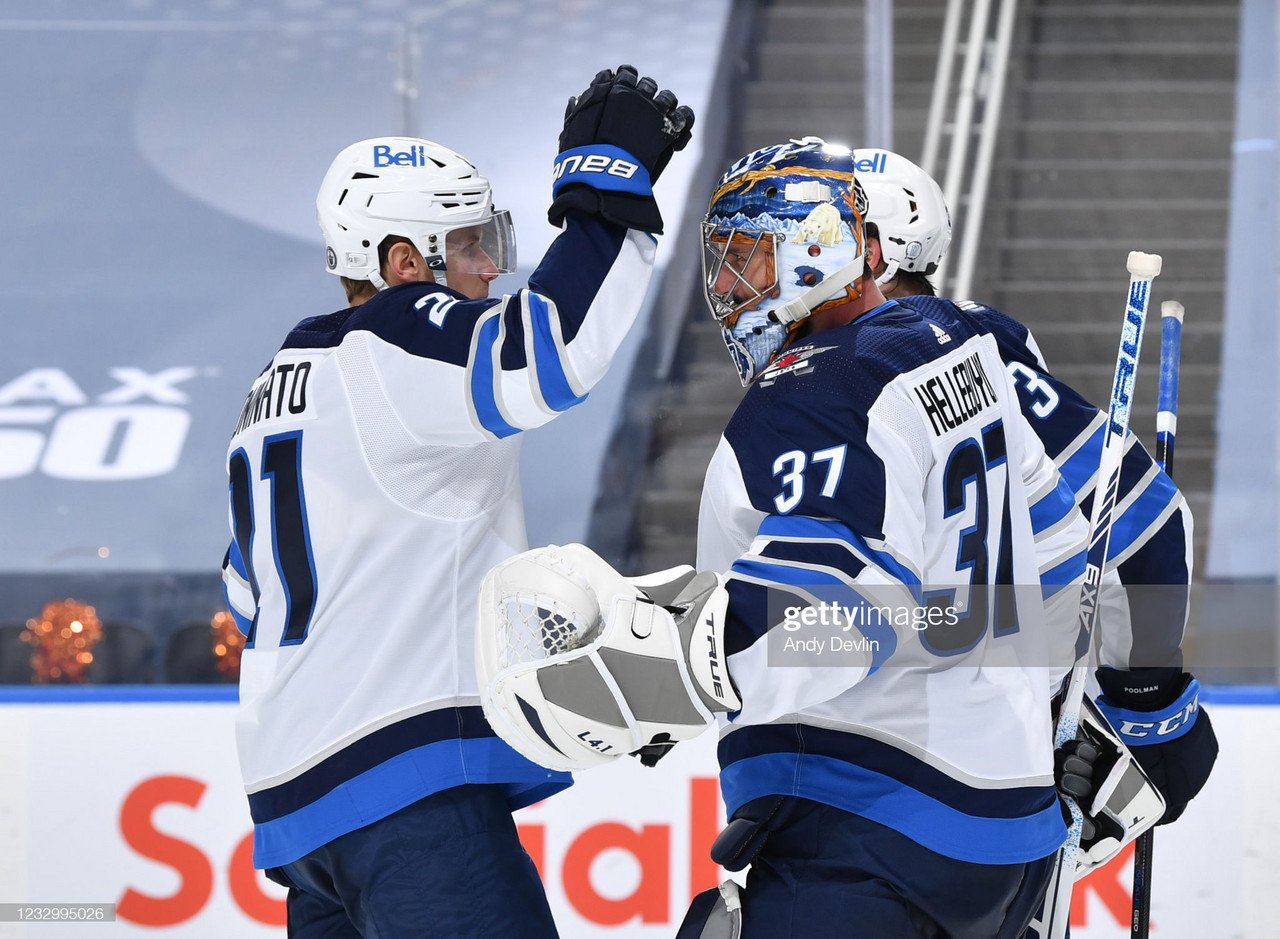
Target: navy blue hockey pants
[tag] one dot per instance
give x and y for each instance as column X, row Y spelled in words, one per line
column 824, row 872
column 450, row 865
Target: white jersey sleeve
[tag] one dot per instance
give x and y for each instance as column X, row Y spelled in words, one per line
column 455, row 371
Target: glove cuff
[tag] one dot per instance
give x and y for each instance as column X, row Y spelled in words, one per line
column 629, row 211
column 1142, row 689
column 1144, row 728
column 601, row 166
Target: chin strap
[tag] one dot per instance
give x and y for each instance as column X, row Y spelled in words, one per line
column 802, row 306
column 890, row 272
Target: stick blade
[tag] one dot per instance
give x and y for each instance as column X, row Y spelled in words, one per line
column 1141, row 264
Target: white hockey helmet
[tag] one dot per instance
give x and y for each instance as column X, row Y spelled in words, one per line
column 795, row 210
column 905, row 203
column 412, row 188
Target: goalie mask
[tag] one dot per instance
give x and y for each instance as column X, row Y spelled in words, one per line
column 782, row 239
column 417, row 190
column 907, row 206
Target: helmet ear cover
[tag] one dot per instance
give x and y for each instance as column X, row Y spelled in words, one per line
column 806, row 196
column 412, row 189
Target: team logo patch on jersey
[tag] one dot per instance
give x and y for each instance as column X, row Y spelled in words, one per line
column 798, row 361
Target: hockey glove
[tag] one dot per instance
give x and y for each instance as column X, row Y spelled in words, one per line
column 1156, row 712
column 618, row 137
column 1117, row 798
column 578, row 665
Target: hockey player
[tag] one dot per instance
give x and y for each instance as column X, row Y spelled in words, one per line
column 883, row 473
column 1148, row 698
column 373, row 481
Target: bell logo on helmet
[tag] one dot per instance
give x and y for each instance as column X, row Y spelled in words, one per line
column 872, row 164
column 414, row 156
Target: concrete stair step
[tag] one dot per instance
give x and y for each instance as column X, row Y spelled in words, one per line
column 1152, row 178
column 838, row 58
column 1074, row 339
column 1097, row 306
column 1137, row 23
column 802, row 97
column 1189, row 139
column 1119, row 59
column 1136, row 218
column 1049, row 257
column 1130, row 100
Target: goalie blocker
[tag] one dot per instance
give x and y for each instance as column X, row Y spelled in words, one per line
column 578, row 665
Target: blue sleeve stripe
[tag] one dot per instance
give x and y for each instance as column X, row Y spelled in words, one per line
column 546, row 354
column 838, row 556
column 803, row 526
column 236, row 562
column 483, row 395
column 1058, row 576
column 1082, row 465
column 829, row 588
column 244, row 624
column 1053, row 508
column 1141, row 514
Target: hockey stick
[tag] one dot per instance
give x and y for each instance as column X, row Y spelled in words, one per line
column 1166, row 432
column 1143, row 268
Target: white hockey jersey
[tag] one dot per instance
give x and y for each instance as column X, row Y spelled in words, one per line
column 373, row 482
column 886, row 466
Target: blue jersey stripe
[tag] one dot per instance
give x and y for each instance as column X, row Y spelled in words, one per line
column 824, row 553
column 803, row 526
column 883, row 799
column 1081, row 466
column 1053, row 508
column 366, row 753
column 243, row 623
column 1141, row 514
column 827, row 587
column 401, row 781
column 236, row 561
column 1055, row 578
column 551, row 377
column 483, row 394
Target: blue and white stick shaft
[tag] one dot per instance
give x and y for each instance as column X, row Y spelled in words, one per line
column 1170, row 353
column 1166, row 432
column 1143, row 269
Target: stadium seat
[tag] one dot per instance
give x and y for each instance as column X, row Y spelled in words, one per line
column 123, row 656
column 15, row 655
column 189, row 659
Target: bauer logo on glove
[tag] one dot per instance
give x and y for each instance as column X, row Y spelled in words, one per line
column 578, row 665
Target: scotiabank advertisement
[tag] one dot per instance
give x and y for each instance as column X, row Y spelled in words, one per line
column 138, row 803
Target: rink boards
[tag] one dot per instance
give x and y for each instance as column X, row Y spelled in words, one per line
column 132, row 797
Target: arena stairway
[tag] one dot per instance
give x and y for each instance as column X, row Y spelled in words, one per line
column 1116, row 135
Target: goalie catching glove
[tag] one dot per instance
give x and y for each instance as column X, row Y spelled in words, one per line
column 578, row 665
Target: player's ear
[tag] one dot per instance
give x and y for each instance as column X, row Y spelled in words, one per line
column 872, row 254
column 405, row 265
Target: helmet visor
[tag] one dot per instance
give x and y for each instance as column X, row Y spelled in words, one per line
column 487, row 247
column 739, row 269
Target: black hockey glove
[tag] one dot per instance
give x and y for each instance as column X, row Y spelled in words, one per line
column 1156, row 712
column 618, row 137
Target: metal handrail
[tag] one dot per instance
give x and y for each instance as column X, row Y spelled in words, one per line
column 982, row 79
